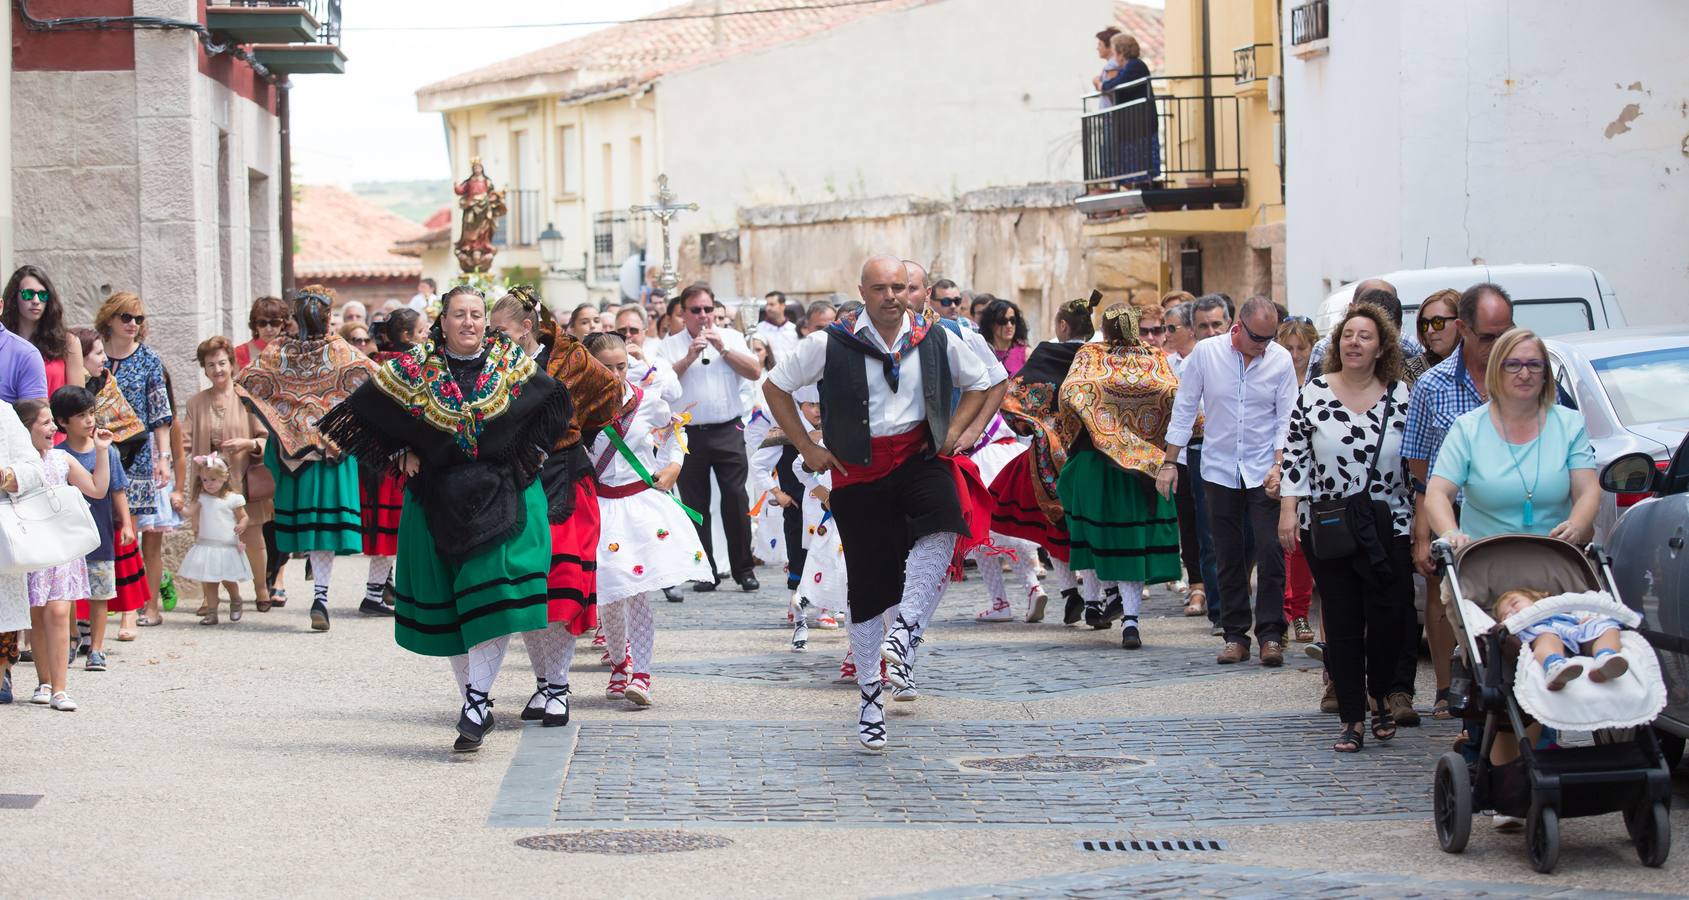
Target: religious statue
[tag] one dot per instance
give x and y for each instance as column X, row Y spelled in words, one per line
column 482, row 206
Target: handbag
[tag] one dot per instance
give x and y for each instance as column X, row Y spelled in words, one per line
column 260, row 483
column 1340, row 527
column 45, row 527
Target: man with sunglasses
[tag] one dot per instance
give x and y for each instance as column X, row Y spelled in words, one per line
column 1245, row 385
column 1382, row 294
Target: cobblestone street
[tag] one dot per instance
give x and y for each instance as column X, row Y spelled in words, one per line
column 230, row 754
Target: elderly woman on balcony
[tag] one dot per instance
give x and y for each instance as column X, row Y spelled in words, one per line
column 1134, row 128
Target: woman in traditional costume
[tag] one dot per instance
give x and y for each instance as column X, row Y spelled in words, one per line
column 291, row 384
column 647, row 541
column 571, row 496
column 1120, row 529
column 470, row 419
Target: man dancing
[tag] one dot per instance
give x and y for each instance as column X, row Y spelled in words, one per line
column 887, row 427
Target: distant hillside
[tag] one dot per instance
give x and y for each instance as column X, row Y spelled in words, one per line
column 415, row 200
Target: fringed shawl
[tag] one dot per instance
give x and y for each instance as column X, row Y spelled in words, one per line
column 1123, row 395
column 1031, row 407
column 292, row 384
column 594, row 389
column 113, row 413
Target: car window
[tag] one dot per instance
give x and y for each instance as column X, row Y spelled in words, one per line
column 1554, row 316
column 1647, row 387
column 1563, row 383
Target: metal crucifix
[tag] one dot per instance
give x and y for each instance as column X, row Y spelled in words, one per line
column 665, row 209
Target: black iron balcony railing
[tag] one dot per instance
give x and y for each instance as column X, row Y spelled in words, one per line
column 609, row 244
column 325, row 12
column 1310, row 22
column 1164, row 132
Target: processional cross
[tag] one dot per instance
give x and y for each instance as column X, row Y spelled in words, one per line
column 665, row 209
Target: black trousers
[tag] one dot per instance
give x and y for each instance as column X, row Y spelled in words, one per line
column 1190, row 552
column 1364, row 622
column 1244, row 522
column 274, row 561
column 721, row 449
column 881, row 520
column 792, row 516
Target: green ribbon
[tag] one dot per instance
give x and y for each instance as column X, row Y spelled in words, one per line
column 645, row 474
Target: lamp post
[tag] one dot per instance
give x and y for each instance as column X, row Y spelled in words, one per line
column 551, row 253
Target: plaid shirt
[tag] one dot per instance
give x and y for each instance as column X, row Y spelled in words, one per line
column 1441, row 395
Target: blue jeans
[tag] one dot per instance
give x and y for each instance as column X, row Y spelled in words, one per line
column 1209, row 564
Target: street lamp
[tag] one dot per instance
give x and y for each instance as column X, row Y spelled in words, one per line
column 551, row 253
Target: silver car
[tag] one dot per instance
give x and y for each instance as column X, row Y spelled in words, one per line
column 1651, row 571
column 1632, row 387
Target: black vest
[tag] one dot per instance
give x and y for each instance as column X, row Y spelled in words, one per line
column 844, row 394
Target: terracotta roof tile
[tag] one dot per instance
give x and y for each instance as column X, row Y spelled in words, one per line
column 641, row 50
column 342, row 235
column 1143, row 23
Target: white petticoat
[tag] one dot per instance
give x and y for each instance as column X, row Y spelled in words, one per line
column 991, row 458
column 645, row 544
column 206, row 562
column 825, row 584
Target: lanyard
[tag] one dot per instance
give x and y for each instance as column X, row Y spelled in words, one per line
column 1519, row 468
column 645, row 474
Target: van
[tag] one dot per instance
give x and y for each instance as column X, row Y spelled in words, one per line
column 1550, row 298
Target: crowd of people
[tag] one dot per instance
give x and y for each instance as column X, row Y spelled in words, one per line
column 506, row 472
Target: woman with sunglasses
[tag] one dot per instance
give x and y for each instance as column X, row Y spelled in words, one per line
column 139, row 372
column 1005, row 331
column 267, row 319
column 34, row 312
column 1436, row 322
column 357, row 334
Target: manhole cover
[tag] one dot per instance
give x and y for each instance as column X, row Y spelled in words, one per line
column 624, row 842
column 1052, row 763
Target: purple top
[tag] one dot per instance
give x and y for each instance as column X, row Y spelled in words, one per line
column 1012, row 358
column 23, row 374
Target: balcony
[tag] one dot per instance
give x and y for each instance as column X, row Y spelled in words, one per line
column 288, row 37
column 1310, row 29
column 609, row 245
column 1175, row 143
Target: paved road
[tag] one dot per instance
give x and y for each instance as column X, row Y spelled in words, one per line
column 267, row 760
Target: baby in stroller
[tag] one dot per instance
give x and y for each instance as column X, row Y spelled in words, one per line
column 1552, row 638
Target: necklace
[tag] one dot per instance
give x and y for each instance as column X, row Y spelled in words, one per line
column 1519, row 468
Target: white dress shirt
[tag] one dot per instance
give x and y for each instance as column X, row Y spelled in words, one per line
column 654, row 375
column 1246, row 409
column 649, row 436
column 889, row 412
column 995, row 374
column 709, row 388
column 782, row 340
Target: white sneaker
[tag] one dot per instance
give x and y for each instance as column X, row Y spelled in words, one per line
column 999, row 611
column 1507, row 824
column 826, row 621
column 1036, row 600
column 1561, row 672
column 62, row 702
column 43, row 694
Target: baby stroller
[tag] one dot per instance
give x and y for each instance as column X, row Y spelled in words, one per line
column 1624, row 771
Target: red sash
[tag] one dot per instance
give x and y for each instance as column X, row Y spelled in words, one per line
column 885, row 454
column 617, row 492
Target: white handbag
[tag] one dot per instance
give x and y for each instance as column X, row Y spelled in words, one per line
column 45, row 527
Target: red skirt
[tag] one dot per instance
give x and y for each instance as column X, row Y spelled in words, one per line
column 132, row 588
column 383, row 497
column 572, row 584
column 1017, row 513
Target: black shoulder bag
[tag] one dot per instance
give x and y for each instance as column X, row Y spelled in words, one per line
column 1356, row 524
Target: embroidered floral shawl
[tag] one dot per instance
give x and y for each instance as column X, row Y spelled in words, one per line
column 1032, row 407
column 293, row 383
column 1123, row 395
column 422, row 383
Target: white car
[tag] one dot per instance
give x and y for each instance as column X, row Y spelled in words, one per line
column 1552, row 298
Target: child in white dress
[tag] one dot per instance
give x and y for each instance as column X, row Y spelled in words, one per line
column 53, row 592
column 218, row 555
column 646, row 542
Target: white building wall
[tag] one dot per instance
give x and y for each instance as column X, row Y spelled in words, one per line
column 1448, row 132
column 932, row 102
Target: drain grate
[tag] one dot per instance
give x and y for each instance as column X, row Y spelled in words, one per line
column 624, row 843
column 1051, row 764
column 19, row 801
column 1158, row 846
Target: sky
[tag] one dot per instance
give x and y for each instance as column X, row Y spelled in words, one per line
column 364, row 125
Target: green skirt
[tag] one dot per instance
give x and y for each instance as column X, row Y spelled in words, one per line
column 443, row 610
column 318, row 505
column 1119, row 525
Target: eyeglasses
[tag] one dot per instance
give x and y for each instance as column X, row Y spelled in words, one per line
column 1515, row 366
column 948, row 301
column 269, row 323
column 132, row 319
column 1298, row 320
column 1487, row 338
column 1436, row 323
column 31, row 295
column 1259, row 339
column 1151, row 330
column 700, row 310
column 629, row 331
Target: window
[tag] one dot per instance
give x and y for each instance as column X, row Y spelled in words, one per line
column 519, row 156
column 608, row 175
column 478, row 147
column 636, row 169
column 568, row 162
column 1647, row 387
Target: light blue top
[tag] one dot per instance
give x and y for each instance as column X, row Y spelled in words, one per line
column 1495, row 476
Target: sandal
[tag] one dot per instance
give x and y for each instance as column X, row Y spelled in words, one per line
column 126, row 635
column 1198, row 604
column 145, row 622
column 1440, row 709
column 1383, row 725
column 1351, row 740
column 278, row 598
